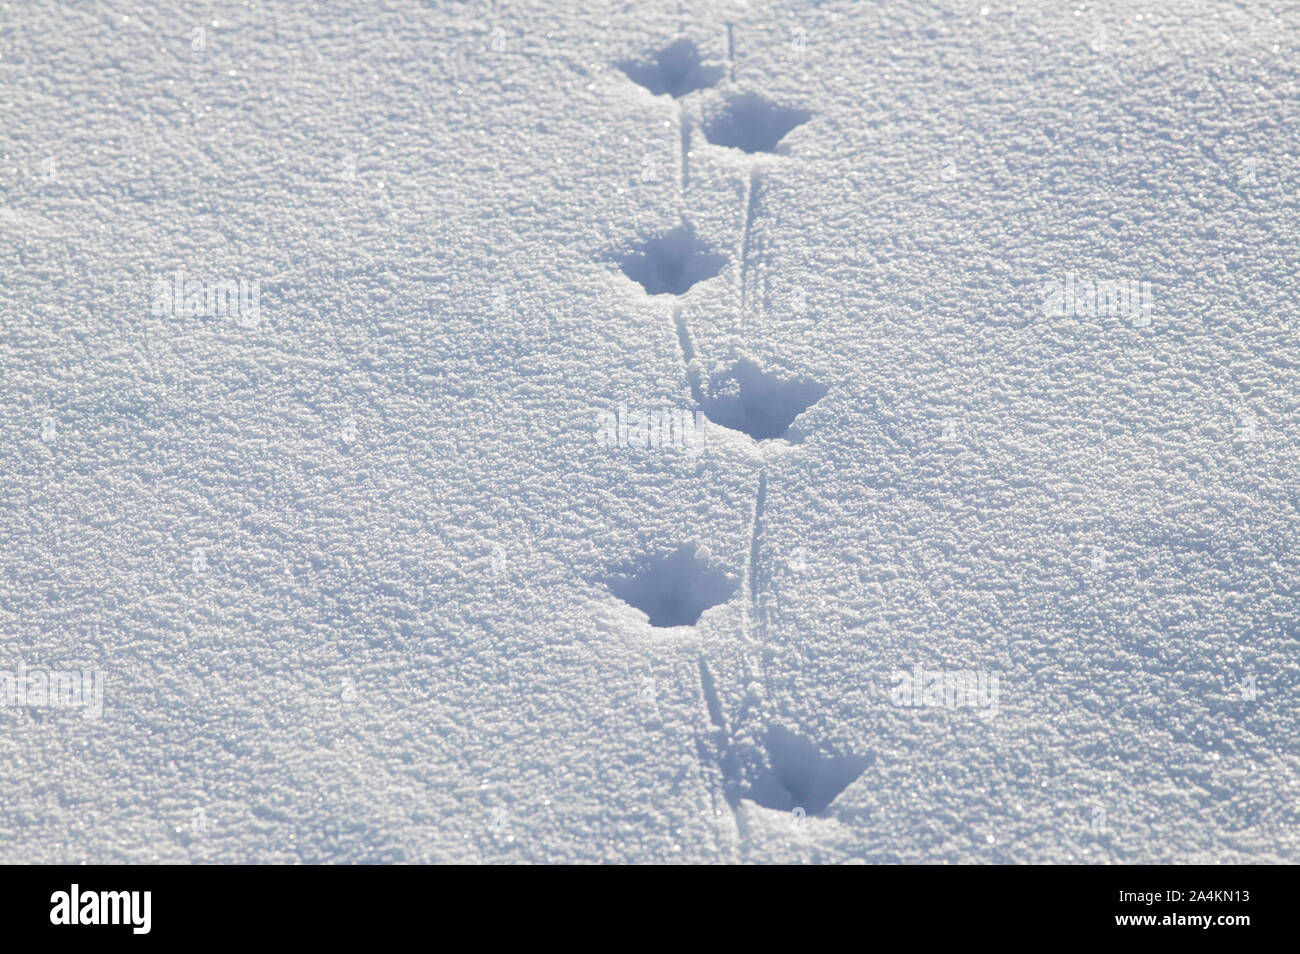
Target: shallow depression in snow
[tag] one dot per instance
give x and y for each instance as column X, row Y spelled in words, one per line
column 674, row 590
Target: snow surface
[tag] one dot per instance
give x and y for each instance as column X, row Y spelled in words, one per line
column 362, row 576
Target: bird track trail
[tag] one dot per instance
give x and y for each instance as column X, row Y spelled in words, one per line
column 671, row 264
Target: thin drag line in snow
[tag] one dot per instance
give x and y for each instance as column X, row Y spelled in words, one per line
column 683, row 171
column 751, row 201
column 711, row 702
column 755, row 533
column 683, row 335
column 731, row 52
column 688, row 356
column 760, row 498
column 717, row 754
column 702, row 751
